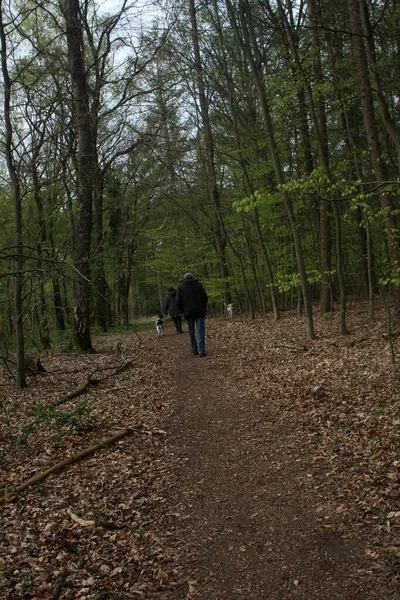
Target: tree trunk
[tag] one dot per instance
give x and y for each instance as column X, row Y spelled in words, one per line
column 305, row 133
column 340, row 271
column 268, row 266
column 16, row 190
column 260, row 238
column 370, row 271
column 212, row 187
column 252, row 261
column 86, row 154
column 43, row 311
column 367, row 106
column 99, row 278
column 58, row 307
column 383, row 107
column 248, row 46
column 319, row 119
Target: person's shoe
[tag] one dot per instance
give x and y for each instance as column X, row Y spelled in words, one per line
column 194, row 352
column 202, row 354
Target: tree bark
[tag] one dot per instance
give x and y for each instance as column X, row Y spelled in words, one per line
column 322, row 138
column 382, row 104
column 16, row 190
column 58, row 307
column 86, row 163
column 367, row 105
column 44, row 333
column 100, row 283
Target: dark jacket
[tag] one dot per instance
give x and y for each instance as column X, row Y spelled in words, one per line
column 192, row 298
column 171, row 307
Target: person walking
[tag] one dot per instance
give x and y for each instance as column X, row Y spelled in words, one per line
column 172, row 310
column 191, row 299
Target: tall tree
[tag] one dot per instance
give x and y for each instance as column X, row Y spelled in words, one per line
column 372, row 132
column 247, row 39
column 86, row 168
column 16, row 191
column 211, row 177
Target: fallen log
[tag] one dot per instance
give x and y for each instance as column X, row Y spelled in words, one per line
column 90, row 382
column 73, row 459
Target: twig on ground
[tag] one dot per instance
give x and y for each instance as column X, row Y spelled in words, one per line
column 291, row 346
column 94, row 522
column 89, row 383
column 72, row 459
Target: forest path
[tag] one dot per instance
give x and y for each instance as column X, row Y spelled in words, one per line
column 268, row 470
column 251, row 512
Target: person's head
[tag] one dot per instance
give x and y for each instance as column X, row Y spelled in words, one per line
column 187, row 276
column 171, row 289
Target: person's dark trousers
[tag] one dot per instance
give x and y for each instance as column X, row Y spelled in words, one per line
column 177, row 319
column 199, row 324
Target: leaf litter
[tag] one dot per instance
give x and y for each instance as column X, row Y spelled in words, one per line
column 269, row 469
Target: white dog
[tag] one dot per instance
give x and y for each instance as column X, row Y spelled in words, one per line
column 160, row 325
column 229, row 310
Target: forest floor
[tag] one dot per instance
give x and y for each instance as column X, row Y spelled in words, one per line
column 268, row 470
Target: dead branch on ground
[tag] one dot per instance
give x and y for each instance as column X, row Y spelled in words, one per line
column 296, row 347
column 93, row 522
column 89, row 383
column 73, row 459
column 364, row 337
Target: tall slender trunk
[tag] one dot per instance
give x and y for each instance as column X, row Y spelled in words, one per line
column 370, row 271
column 16, row 189
column 99, row 277
column 367, row 106
column 251, row 259
column 44, row 333
column 382, row 104
column 58, row 306
column 248, row 183
column 353, row 142
column 261, row 241
column 124, row 286
column 305, row 132
column 86, row 153
column 212, row 186
column 249, row 47
column 268, row 266
column 318, row 117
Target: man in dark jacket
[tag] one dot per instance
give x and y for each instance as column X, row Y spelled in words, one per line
column 191, row 299
column 172, row 309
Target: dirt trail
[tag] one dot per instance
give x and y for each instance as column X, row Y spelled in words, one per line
column 248, row 501
column 268, row 470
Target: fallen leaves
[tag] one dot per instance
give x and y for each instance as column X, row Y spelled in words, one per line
column 338, row 401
